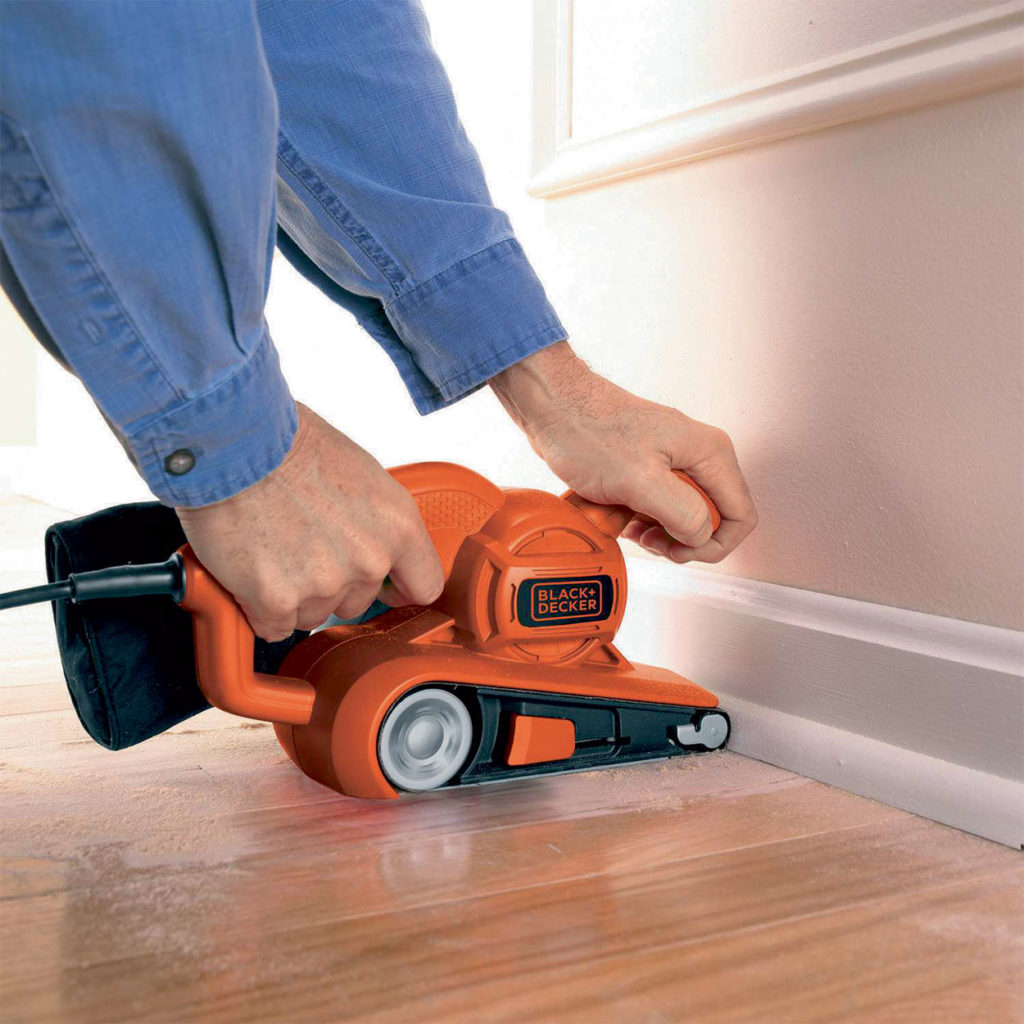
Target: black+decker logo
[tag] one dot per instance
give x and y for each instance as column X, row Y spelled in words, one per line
column 563, row 602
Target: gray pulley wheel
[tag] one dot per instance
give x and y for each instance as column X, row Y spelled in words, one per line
column 711, row 731
column 425, row 739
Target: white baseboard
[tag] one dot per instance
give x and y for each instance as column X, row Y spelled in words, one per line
column 922, row 712
column 980, row 50
column 987, row 805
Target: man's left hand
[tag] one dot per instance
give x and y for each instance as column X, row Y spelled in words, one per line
column 617, row 449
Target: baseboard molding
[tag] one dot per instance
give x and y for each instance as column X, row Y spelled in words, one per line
column 987, row 805
column 923, row 712
column 979, row 51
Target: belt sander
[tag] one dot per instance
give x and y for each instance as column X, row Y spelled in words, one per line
column 511, row 672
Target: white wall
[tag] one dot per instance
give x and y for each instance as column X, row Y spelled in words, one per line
column 848, row 304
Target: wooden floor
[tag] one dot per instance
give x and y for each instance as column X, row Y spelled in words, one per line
column 200, row 876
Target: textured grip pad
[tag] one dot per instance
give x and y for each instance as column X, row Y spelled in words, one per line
column 455, row 510
column 453, row 501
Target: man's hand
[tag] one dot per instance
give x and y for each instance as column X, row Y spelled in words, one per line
column 617, row 449
column 316, row 536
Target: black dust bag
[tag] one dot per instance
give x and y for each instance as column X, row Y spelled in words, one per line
column 129, row 663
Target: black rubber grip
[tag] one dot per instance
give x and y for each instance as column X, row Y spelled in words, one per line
column 130, row 581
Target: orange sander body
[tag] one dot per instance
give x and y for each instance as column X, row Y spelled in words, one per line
column 511, row 672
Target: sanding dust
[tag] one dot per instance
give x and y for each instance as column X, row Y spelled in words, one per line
column 678, row 779
column 167, row 801
column 980, row 928
column 183, row 797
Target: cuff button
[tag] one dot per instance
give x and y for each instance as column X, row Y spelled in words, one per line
column 180, row 462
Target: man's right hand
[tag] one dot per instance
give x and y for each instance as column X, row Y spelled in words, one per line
column 316, row 536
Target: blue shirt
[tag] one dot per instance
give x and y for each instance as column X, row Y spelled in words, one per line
column 152, row 154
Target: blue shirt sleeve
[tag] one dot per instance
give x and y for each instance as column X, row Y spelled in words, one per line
column 382, row 200
column 140, row 204
column 137, row 187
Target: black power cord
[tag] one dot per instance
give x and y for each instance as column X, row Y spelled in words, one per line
column 36, row 595
column 119, row 581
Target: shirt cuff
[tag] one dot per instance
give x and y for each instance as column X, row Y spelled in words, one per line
column 453, row 332
column 220, row 442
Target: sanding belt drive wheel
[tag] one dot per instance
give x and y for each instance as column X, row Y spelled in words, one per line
column 425, row 739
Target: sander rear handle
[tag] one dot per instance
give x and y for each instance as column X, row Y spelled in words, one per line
column 612, row 519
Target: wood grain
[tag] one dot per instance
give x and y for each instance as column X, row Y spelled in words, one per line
column 200, row 876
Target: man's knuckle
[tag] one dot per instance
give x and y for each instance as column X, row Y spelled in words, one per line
column 353, row 606
column 373, row 566
column 276, row 604
column 324, row 585
column 405, row 511
column 410, row 511
column 271, row 631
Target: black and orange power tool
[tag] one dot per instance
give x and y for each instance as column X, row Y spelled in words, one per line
column 511, row 672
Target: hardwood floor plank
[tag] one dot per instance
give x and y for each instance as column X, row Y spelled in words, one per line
column 381, row 871
column 250, row 956
column 22, row 695
column 953, row 997
column 944, row 948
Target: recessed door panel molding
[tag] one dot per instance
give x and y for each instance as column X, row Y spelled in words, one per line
column 624, row 89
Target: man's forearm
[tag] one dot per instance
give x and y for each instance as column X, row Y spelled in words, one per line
column 532, row 390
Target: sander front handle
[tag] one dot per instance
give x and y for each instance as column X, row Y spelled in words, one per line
column 224, row 640
column 612, row 519
column 224, row 643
